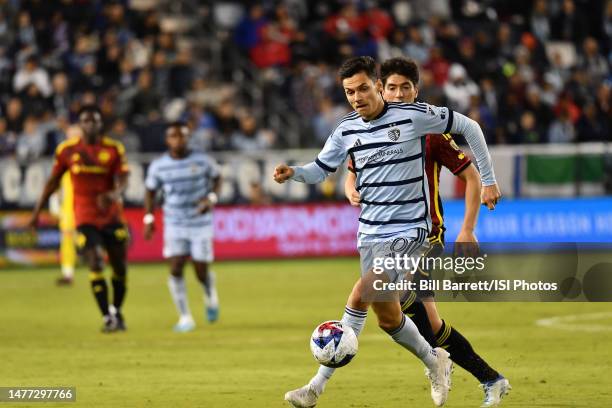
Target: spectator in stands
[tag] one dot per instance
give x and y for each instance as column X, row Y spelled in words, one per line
column 250, row 136
column 8, row 139
column 562, row 129
column 540, row 20
column 14, row 115
column 60, row 100
column 592, row 62
column 569, row 25
column 32, row 142
column 32, row 73
column 591, row 127
column 459, row 88
column 120, row 131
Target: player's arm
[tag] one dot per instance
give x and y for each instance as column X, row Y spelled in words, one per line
column 472, row 203
column 444, row 120
column 51, row 186
column 350, row 183
column 60, row 166
column 152, row 184
column 149, row 220
column 211, row 198
column 104, row 200
column 328, row 160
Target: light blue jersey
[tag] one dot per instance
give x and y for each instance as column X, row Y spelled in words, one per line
column 388, row 153
column 184, row 183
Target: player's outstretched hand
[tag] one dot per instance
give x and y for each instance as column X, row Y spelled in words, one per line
column 490, row 195
column 466, row 244
column 282, row 173
column 149, row 229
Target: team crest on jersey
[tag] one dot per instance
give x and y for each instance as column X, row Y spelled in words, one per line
column 394, row 134
column 75, row 157
column 104, row 156
column 194, row 168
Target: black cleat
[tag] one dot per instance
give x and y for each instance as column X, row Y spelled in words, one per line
column 120, row 322
column 109, row 324
column 64, row 281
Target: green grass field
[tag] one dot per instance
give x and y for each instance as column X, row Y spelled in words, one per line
column 259, row 349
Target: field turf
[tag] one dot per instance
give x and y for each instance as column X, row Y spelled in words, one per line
column 49, row 336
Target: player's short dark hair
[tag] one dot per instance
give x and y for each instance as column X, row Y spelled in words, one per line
column 356, row 65
column 90, row 109
column 400, row 66
column 178, row 124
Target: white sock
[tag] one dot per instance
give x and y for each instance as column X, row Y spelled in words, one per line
column 210, row 290
column 407, row 335
column 68, row 271
column 356, row 320
column 179, row 295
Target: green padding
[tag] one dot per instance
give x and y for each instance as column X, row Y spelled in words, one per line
column 545, row 169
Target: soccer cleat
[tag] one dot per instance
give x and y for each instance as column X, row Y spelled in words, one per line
column 440, row 378
column 185, row 324
column 63, row 281
column 494, row 391
column 109, row 324
column 304, row 397
column 121, row 326
column 212, row 313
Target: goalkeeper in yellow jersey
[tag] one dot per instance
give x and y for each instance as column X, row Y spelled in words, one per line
column 64, row 209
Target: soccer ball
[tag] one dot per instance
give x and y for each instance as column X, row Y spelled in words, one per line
column 333, row 344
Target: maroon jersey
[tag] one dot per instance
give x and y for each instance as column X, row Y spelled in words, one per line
column 92, row 170
column 441, row 150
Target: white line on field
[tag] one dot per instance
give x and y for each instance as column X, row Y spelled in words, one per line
column 574, row 322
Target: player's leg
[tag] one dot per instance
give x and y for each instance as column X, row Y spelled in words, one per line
column 178, row 291
column 355, row 314
column 176, row 250
column 68, row 257
column 116, row 239
column 90, row 242
column 492, row 382
column 202, row 255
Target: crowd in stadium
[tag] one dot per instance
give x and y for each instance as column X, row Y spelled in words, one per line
column 530, row 72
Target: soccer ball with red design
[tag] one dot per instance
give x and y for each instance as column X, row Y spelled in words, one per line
column 333, row 344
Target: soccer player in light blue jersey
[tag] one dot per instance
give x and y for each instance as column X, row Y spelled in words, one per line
column 189, row 182
column 386, row 145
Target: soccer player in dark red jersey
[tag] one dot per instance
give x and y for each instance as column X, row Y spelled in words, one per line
column 99, row 172
column 400, row 78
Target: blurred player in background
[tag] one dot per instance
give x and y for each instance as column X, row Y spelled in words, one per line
column 99, row 172
column 190, row 182
column 62, row 205
column 385, row 143
column 400, row 79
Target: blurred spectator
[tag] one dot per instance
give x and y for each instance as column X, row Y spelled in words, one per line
column 591, row 127
column 8, row 139
column 529, row 132
column 459, row 88
column 416, row 48
column 562, row 129
column 328, row 117
column 540, row 20
column 120, row 131
column 250, row 137
column 257, row 194
column 32, row 142
column 592, row 63
column 569, row 24
column 14, row 115
column 32, row 73
column 60, row 100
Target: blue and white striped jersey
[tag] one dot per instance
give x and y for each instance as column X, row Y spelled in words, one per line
column 184, row 182
column 388, row 153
